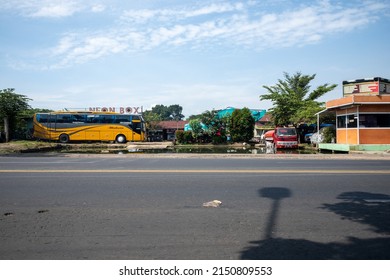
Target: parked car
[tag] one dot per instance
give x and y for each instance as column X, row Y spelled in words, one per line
column 323, row 135
column 313, row 130
column 305, row 131
column 307, row 138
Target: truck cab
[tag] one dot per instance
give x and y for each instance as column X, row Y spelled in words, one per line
column 283, row 137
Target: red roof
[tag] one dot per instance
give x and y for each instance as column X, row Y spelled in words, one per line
column 266, row 118
column 171, row 124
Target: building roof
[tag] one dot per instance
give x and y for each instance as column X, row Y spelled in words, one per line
column 257, row 114
column 266, row 118
column 357, row 100
column 171, row 124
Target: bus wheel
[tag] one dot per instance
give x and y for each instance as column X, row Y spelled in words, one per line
column 64, row 138
column 121, row 139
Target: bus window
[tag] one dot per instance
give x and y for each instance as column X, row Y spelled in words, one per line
column 64, row 118
column 92, row 118
column 106, row 119
column 42, row 118
column 79, row 118
column 123, row 119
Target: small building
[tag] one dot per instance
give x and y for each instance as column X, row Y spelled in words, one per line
column 165, row 130
column 362, row 116
column 261, row 126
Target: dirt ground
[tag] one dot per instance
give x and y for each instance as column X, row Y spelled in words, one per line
column 24, row 146
column 15, row 147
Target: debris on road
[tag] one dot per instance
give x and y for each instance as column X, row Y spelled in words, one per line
column 215, row 203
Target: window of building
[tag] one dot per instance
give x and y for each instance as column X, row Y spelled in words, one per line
column 349, row 121
column 341, row 121
column 352, row 121
column 374, row 120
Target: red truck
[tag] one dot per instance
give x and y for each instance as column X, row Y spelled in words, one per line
column 283, row 137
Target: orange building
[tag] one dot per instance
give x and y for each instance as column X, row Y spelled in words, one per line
column 363, row 116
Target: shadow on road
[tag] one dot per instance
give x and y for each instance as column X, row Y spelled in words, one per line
column 367, row 208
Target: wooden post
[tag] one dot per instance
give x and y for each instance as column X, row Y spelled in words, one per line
column 6, row 128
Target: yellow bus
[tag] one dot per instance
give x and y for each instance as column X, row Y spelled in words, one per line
column 88, row 126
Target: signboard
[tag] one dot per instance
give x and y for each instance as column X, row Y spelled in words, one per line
column 120, row 110
column 374, row 86
column 384, row 88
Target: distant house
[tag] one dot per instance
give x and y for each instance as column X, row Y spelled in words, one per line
column 262, row 125
column 265, row 121
column 165, row 130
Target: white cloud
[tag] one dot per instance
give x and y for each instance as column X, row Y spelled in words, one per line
column 51, row 8
column 92, row 47
column 98, row 8
column 66, row 44
column 237, row 24
column 56, row 10
column 228, row 24
column 143, row 15
column 212, row 9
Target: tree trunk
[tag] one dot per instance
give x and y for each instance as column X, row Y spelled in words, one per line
column 6, row 128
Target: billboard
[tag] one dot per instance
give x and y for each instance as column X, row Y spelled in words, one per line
column 373, row 86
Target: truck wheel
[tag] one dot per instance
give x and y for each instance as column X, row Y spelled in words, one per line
column 121, row 139
column 64, row 138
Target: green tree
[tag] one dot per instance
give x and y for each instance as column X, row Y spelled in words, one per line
column 196, row 128
column 161, row 111
column 241, row 125
column 12, row 105
column 175, row 112
column 293, row 102
column 151, row 119
column 168, row 113
column 216, row 126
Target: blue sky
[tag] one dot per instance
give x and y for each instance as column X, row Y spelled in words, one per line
column 199, row 54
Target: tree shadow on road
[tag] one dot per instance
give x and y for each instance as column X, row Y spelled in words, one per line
column 371, row 209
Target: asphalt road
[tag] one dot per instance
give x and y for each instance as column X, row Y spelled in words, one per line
column 127, row 207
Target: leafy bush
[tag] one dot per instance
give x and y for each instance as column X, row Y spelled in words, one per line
column 218, row 139
column 328, row 134
column 187, row 137
column 241, row 125
column 179, row 136
column 184, row 137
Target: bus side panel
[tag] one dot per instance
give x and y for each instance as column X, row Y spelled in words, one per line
column 78, row 136
column 136, row 137
column 92, row 135
column 44, row 131
column 133, row 136
column 107, row 134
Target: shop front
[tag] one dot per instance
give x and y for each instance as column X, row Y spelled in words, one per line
column 363, row 116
